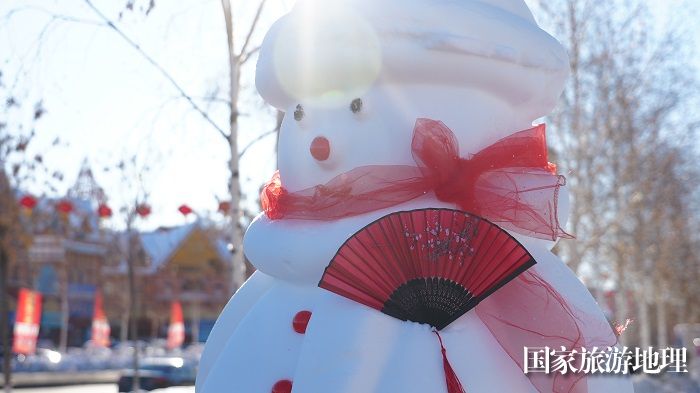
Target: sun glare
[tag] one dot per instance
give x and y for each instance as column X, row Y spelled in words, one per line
column 327, row 55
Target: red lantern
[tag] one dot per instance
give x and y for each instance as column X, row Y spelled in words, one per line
column 28, row 202
column 143, row 210
column 64, row 206
column 104, row 211
column 224, row 207
column 185, row 210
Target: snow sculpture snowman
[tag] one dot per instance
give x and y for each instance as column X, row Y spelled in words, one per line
column 353, row 77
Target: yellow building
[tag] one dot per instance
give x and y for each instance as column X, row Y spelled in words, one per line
column 189, row 263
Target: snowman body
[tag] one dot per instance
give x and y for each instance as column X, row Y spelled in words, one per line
column 348, row 347
column 261, row 338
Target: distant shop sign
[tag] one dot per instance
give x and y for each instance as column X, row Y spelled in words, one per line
column 26, row 328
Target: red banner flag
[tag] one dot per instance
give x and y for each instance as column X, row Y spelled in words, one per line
column 176, row 330
column 100, row 323
column 27, row 321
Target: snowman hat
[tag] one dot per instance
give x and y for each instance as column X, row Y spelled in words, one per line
column 340, row 48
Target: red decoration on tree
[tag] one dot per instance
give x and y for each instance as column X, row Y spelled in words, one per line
column 64, row 206
column 143, row 210
column 28, row 202
column 185, row 210
column 104, row 211
column 224, row 207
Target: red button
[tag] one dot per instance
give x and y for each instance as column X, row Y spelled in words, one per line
column 301, row 320
column 320, row 148
column 283, row 386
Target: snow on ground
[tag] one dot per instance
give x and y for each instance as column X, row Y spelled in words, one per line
column 105, row 388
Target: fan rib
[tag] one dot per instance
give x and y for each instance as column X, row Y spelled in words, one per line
column 481, row 272
column 390, row 244
column 380, row 277
column 381, row 288
column 467, row 275
column 413, row 256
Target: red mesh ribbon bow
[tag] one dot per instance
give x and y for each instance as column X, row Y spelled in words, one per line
column 510, row 183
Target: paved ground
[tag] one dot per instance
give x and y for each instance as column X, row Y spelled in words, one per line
column 110, row 388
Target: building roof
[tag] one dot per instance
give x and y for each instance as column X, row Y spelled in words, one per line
column 160, row 244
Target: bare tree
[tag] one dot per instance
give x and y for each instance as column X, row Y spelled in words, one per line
column 623, row 116
column 16, row 167
column 240, row 51
column 237, row 58
column 133, row 173
column 8, row 215
column 242, row 47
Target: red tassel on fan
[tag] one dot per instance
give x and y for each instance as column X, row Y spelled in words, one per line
column 453, row 383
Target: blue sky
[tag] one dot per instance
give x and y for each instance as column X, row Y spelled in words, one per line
column 106, row 103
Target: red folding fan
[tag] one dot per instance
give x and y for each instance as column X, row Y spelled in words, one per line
column 429, row 266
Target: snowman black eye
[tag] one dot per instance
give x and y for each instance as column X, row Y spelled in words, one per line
column 356, row 105
column 299, row 113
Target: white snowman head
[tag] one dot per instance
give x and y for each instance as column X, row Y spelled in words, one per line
column 482, row 67
column 354, row 75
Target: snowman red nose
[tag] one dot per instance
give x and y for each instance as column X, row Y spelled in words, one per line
column 320, row 148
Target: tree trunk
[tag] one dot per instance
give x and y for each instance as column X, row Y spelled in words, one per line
column 621, row 315
column 622, row 311
column 238, row 263
column 195, row 321
column 4, row 311
column 153, row 321
column 124, row 327
column 644, row 320
column 133, row 304
column 661, row 322
column 6, row 199
column 65, row 312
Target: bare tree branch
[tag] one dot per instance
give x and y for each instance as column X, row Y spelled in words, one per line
column 251, row 31
column 256, row 140
column 108, row 22
column 247, row 56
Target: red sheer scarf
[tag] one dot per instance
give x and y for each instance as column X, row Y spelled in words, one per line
column 510, row 183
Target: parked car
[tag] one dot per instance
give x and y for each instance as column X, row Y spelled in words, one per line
column 158, row 373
